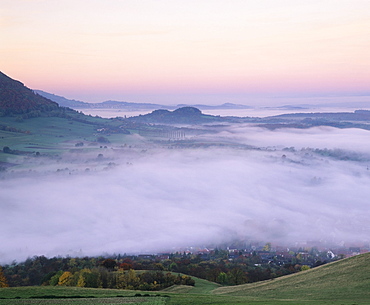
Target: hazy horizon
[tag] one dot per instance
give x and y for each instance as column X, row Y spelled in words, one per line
column 219, row 99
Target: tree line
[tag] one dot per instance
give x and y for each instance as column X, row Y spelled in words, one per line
column 149, row 272
column 130, row 279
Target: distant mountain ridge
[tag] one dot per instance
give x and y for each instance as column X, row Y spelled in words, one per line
column 62, row 101
column 130, row 106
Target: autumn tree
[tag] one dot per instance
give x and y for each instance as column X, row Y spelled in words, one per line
column 3, row 280
column 54, row 280
column 81, row 282
column 66, row 279
column 132, row 279
column 127, row 280
column 92, row 279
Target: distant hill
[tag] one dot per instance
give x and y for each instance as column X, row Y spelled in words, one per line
column 347, row 279
column 183, row 115
column 214, row 107
column 15, row 98
column 128, row 105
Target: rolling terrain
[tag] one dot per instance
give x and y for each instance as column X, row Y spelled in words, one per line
column 342, row 282
column 32, row 126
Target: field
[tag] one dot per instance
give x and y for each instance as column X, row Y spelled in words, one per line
column 52, row 136
column 46, row 132
column 342, row 282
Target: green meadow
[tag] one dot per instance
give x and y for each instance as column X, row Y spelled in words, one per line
column 55, row 135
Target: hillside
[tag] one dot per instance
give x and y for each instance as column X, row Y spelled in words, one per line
column 15, row 98
column 347, row 279
column 30, row 122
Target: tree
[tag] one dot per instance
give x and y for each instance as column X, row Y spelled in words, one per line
column 65, row 279
column 121, row 280
column 6, row 150
column 125, row 266
column 81, row 282
column 222, row 278
column 132, row 279
column 109, row 263
column 93, row 279
column 3, row 280
column 187, row 280
column 305, row 267
column 173, row 267
column 236, row 276
column 102, row 140
column 267, row 247
column 55, row 278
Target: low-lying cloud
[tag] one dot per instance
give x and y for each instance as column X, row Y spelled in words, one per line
column 162, row 199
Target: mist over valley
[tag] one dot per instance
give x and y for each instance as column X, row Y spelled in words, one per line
column 236, row 182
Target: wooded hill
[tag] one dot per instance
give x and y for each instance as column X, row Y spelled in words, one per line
column 15, row 98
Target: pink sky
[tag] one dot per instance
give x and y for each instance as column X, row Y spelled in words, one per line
column 174, row 51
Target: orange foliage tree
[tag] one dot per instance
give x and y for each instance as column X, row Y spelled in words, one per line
column 3, row 281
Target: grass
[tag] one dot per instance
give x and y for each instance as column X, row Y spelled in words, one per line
column 345, row 282
column 80, row 296
column 45, row 133
column 75, row 296
column 106, row 301
column 201, row 287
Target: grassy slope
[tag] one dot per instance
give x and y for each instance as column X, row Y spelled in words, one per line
column 201, row 287
column 345, row 280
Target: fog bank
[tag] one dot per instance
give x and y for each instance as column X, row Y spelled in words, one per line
column 164, row 199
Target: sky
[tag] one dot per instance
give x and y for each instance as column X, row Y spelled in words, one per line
column 175, row 51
